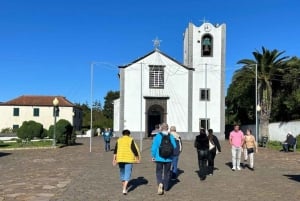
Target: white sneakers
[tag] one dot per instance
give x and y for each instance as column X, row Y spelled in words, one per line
column 160, row 190
column 238, row 168
column 124, row 192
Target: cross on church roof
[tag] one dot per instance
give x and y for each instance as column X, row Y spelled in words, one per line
column 204, row 20
column 156, row 43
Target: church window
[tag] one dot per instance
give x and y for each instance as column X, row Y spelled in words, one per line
column 204, row 123
column 156, row 76
column 204, row 94
column 207, row 45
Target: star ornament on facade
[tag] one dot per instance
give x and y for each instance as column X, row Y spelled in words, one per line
column 156, row 43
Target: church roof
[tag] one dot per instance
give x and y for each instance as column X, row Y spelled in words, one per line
column 157, row 50
column 38, row 101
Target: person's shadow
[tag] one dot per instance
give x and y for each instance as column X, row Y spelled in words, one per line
column 134, row 183
column 174, row 181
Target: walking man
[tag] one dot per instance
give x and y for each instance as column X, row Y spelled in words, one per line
column 236, row 140
column 163, row 161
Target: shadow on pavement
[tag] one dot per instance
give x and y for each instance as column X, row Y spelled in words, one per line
column 174, row 181
column 134, row 183
column 293, row 177
column 4, row 154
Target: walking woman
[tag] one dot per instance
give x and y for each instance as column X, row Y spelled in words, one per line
column 251, row 146
column 125, row 154
column 202, row 145
column 214, row 146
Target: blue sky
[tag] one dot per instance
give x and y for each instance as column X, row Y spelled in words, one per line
column 47, row 46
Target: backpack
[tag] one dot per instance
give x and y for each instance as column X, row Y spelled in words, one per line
column 165, row 147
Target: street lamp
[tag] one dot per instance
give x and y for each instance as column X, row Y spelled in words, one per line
column 55, row 114
column 258, row 108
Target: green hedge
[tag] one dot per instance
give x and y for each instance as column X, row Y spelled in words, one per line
column 64, row 132
column 30, row 130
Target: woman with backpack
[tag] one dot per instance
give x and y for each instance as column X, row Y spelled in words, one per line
column 162, row 148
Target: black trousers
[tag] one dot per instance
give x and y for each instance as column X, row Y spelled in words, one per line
column 211, row 160
column 202, row 162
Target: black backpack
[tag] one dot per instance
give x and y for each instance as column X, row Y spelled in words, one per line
column 165, row 147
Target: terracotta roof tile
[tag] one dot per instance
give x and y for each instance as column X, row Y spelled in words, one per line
column 38, row 101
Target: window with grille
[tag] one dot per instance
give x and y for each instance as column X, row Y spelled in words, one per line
column 156, row 77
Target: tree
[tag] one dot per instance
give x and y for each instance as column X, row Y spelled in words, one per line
column 287, row 92
column 268, row 64
column 240, row 98
column 108, row 103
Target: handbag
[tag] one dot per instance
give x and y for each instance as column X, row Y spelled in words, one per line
column 250, row 150
column 211, row 145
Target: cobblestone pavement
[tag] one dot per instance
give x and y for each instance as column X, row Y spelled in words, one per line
column 73, row 173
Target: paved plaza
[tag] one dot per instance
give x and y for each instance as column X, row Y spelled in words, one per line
column 74, row 173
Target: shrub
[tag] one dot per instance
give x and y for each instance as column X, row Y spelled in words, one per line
column 30, row 130
column 44, row 133
column 64, row 132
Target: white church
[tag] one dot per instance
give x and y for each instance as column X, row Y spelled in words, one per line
column 156, row 88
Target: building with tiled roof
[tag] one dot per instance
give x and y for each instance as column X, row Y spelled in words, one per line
column 40, row 109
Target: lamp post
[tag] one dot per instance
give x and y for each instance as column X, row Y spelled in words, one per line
column 257, row 106
column 55, row 114
column 91, row 124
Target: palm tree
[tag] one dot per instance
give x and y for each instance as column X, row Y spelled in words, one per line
column 268, row 63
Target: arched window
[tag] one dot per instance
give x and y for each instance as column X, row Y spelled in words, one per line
column 207, row 45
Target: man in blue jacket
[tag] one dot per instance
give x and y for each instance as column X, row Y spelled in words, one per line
column 163, row 165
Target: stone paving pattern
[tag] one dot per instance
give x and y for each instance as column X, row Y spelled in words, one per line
column 74, row 173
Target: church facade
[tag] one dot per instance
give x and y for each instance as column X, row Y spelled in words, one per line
column 190, row 95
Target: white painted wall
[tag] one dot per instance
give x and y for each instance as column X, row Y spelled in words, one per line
column 176, row 85
column 116, row 125
column 210, row 67
column 7, row 120
column 279, row 130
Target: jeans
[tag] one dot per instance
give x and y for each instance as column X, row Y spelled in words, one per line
column 163, row 173
column 202, row 162
column 175, row 164
column 125, row 171
column 107, row 145
column 236, row 156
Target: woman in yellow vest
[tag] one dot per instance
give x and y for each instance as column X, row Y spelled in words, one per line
column 125, row 154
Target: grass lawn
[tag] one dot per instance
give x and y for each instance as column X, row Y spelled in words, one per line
column 276, row 145
column 31, row 144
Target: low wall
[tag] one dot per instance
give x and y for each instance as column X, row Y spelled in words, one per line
column 278, row 130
